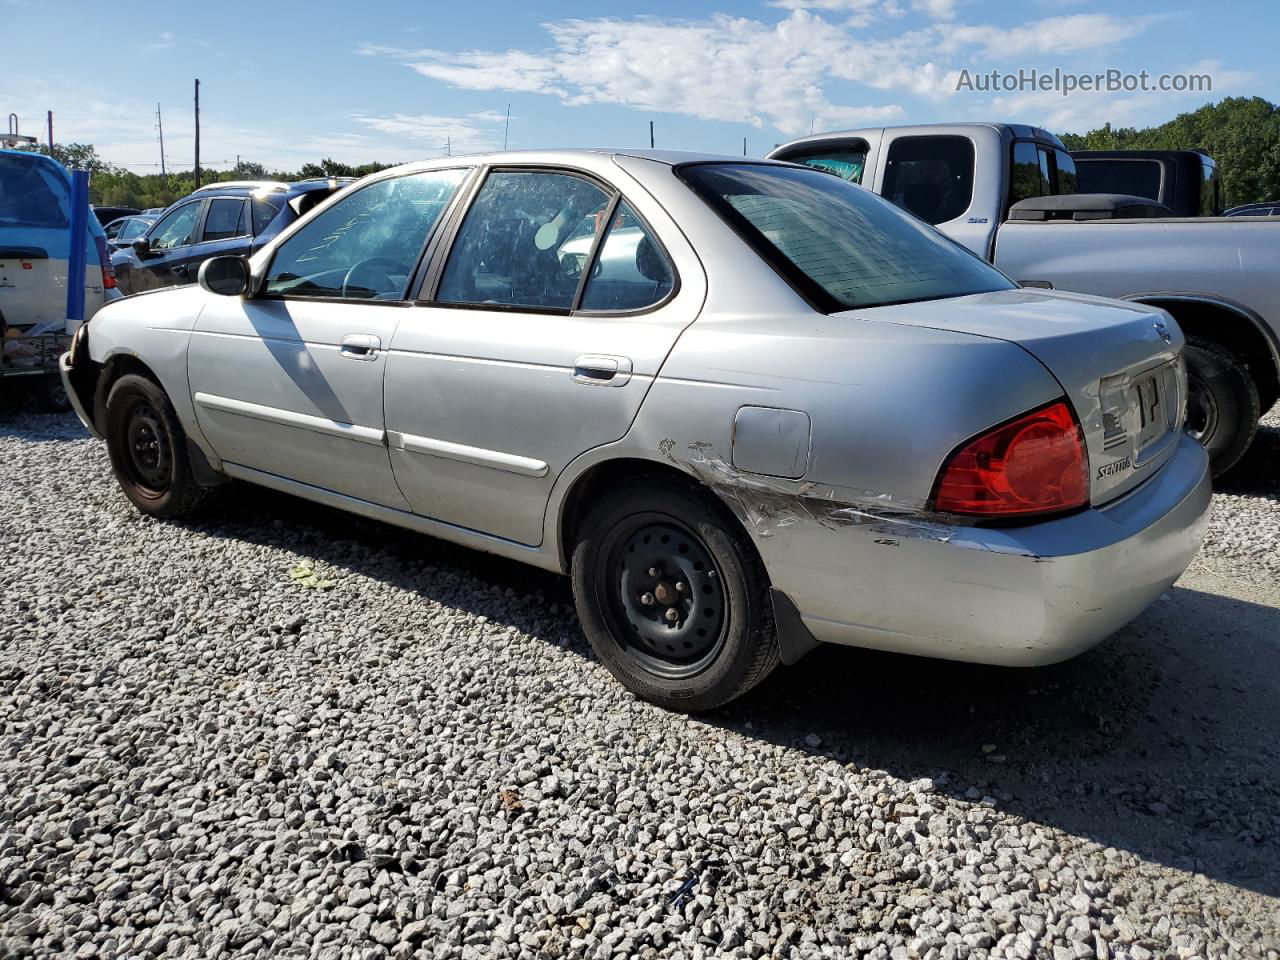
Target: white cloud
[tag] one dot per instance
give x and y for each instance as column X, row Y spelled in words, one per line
column 475, row 133
column 938, row 9
column 1055, row 35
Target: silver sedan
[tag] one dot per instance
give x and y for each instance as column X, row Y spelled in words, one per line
column 747, row 406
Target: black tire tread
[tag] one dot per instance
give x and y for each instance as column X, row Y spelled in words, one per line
column 1246, row 395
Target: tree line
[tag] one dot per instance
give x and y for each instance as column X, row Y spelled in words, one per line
column 1241, row 133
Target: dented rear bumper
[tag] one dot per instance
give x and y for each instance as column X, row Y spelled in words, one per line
column 1018, row 596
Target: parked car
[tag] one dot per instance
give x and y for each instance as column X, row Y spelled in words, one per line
column 122, row 232
column 105, row 215
column 789, row 415
column 1269, row 208
column 1010, row 193
column 1185, row 181
column 35, row 242
column 217, row 220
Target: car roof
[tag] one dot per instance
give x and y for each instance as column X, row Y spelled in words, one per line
column 257, row 188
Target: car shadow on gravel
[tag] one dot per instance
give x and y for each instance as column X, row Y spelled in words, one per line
column 1164, row 741
column 1258, row 472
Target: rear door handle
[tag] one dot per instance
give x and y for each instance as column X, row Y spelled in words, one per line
column 360, row 346
column 600, row 370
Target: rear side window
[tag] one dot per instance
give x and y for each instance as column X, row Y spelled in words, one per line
column 839, row 245
column 1068, row 179
column 525, row 241
column 225, row 219
column 1210, row 201
column 630, row 271
column 32, row 194
column 263, row 214
column 930, row 176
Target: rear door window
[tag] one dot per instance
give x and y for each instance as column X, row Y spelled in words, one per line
column 525, row 241
column 930, row 176
column 263, row 214
column 1026, row 180
column 630, row 271
column 226, row 219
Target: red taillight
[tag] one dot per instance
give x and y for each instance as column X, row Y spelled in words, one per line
column 104, row 261
column 1034, row 464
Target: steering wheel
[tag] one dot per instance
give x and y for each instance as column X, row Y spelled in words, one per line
column 387, row 268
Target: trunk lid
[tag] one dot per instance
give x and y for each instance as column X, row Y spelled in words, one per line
column 1119, row 364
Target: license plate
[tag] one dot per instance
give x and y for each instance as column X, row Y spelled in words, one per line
column 1151, row 408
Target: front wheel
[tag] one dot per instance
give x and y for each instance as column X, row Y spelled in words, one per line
column 673, row 596
column 1222, row 402
column 148, row 449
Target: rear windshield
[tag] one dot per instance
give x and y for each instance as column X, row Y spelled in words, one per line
column 32, row 194
column 839, row 245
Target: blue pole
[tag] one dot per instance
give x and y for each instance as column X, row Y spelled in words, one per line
column 77, row 256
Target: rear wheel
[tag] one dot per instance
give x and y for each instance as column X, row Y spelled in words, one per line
column 1222, row 402
column 148, row 449
column 673, row 596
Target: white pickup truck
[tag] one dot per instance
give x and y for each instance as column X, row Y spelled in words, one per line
column 1008, row 192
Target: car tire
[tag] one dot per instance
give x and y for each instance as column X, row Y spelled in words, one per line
column 1222, row 402
column 656, row 546
column 148, row 450
column 51, row 395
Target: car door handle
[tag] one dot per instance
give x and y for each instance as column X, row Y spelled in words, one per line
column 599, row 370
column 178, row 270
column 360, row 346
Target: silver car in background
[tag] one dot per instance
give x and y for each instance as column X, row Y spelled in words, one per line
column 747, row 406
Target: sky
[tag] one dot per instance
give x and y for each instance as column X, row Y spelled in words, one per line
column 284, row 83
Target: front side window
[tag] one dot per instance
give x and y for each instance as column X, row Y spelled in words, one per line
column 930, row 176
column 630, row 271
column 224, row 220
column 367, row 245
column 1068, row 180
column 1025, row 177
column 525, row 241
column 839, row 245
column 176, row 229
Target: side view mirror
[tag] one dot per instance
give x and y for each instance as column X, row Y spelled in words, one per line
column 141, row 246
column 225, row 276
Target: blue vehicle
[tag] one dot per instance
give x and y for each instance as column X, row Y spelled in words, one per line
column 218, row 220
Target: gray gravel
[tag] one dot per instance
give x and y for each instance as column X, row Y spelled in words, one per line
column 1244, row 529
column 203, row 756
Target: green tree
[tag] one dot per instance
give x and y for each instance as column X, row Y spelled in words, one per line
column 1241, row 133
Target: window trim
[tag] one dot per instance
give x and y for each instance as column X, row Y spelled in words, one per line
column 404, row 300
column 805, row 287
column 430, row 288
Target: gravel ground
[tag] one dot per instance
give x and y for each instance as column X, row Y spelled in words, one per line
column 287, row 732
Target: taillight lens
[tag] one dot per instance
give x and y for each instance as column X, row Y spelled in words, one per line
column 104, row 261
column 1032, row 465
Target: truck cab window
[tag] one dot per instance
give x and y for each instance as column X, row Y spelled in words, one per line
column 931, row 176
column 1068, row 180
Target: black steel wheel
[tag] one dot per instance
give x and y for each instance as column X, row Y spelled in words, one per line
column 148, row 449
column 1222, row 402
column 673, row 595
column 669, row 595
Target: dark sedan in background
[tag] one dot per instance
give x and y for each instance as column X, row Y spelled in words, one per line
column 220, row 219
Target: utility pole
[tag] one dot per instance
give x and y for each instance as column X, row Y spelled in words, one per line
column 197, row 134
column 448, row 146
column 160, row 127
column 51, row 133
column 650, row 134
column 506, row 127
column 744, row 146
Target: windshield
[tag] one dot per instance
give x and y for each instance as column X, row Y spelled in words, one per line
column 839, row 245
column 32, row 194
